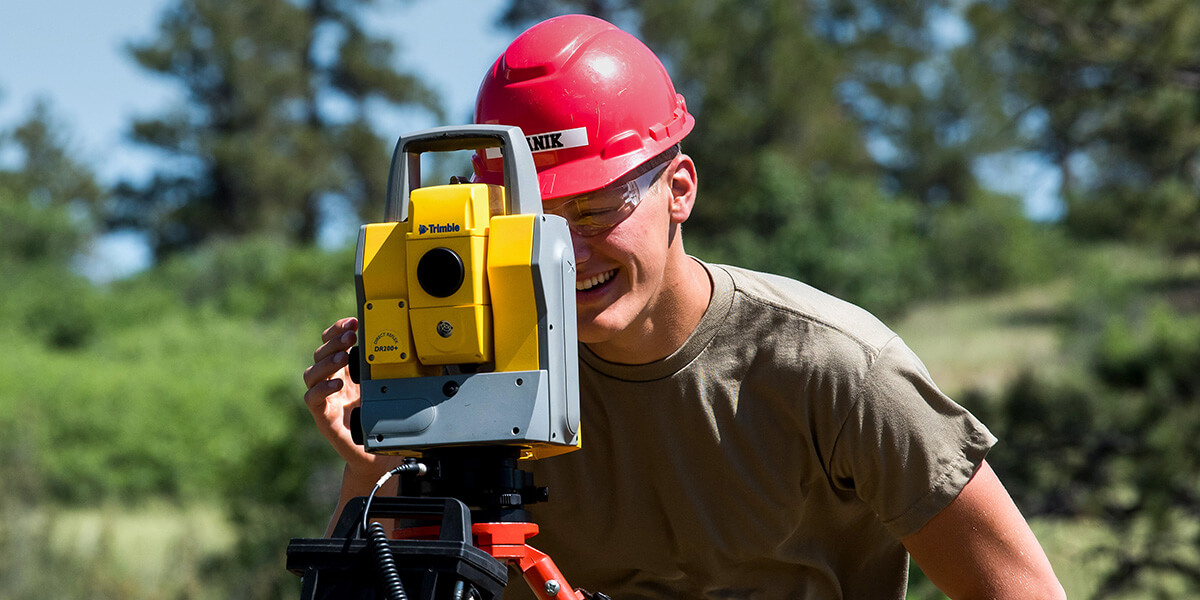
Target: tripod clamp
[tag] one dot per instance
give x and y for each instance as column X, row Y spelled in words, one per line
column 507, row 542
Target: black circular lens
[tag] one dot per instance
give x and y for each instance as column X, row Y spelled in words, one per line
column 440, row 272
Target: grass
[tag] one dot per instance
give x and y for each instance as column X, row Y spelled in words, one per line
column 154, row 550
column 160, row 545
column 981, row 343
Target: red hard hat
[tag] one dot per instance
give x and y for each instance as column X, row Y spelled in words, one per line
column 593, row 101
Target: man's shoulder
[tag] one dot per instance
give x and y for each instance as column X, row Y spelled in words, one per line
column 802, row 301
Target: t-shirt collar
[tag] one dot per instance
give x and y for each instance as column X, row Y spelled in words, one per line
column 718, row 307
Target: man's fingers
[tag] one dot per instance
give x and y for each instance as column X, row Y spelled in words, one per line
column 318, row 395
column 325, row 368
column 339, row 328
column 335, row 345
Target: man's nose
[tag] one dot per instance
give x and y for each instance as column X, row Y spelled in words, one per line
column 582, row 248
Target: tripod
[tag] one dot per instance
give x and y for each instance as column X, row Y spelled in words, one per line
column 464, row 522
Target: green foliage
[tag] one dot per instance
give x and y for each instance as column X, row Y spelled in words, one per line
column 185, row 387
column 847, row 237
column 119, row 422
column 257, row 278
column 34, row 233
column 986, row 244
column 1157, row 356
column 1107, row 91
column 760, row 81
column 53, row 306
column 47, row 207
column 1163, row 213
column 49, row 174
column 48, row 200
column 841, row 235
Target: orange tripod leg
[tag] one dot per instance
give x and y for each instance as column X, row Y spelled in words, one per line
column 507, row 542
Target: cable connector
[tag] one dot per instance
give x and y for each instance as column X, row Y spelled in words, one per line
column 409, row 465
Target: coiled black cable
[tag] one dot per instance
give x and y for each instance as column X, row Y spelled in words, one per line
column 392, row 587
column 377, row 537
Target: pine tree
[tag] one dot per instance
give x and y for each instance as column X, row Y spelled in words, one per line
column 50, row 200
column 1110, row 92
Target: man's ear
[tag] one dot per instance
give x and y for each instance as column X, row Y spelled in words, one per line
column 683, row 187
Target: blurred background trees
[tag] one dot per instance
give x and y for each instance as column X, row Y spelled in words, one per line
column 276, row 133
column 1107, row 91
column 854, row 144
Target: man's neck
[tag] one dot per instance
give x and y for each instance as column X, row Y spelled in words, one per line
column 668, row 323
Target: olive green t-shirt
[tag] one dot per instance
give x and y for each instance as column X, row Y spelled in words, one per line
column 779, row 453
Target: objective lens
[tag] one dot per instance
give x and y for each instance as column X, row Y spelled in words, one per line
column 440, row 272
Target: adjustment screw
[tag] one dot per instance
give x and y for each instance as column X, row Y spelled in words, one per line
column 552, row 588
column 445, row 329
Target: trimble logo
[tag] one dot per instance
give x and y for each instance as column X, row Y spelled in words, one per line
column 447, row 228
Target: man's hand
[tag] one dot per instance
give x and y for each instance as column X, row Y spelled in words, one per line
column 331, row 394
column 330, row 397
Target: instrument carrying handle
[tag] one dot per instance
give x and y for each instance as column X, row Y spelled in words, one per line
column 520, row 175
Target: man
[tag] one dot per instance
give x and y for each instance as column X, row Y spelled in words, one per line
column 747, row 435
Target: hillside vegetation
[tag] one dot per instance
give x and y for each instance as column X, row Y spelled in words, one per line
column 1090, row 382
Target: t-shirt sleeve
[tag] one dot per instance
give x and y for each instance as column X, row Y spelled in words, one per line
column 905, row 448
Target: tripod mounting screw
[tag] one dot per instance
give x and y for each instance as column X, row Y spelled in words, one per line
column 552, row 588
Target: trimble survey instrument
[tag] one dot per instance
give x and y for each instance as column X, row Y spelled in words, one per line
column 467, row 365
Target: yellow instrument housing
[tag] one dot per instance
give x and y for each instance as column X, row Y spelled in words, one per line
column 467, row 314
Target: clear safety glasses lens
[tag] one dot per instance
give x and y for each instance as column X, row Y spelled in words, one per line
column 596, row 212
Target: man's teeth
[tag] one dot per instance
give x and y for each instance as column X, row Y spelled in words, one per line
column 591, row 282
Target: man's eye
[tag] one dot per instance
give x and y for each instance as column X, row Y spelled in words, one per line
column 596, row 213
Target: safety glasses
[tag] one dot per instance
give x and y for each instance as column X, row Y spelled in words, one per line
column 596, row 212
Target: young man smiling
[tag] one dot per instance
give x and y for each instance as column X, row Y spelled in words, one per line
column 748, row 436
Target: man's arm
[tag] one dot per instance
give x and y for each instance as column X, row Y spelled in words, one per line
column 981, row 547
column 330, row 397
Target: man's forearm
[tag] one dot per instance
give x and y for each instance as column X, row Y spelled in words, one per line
column 355, row 485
